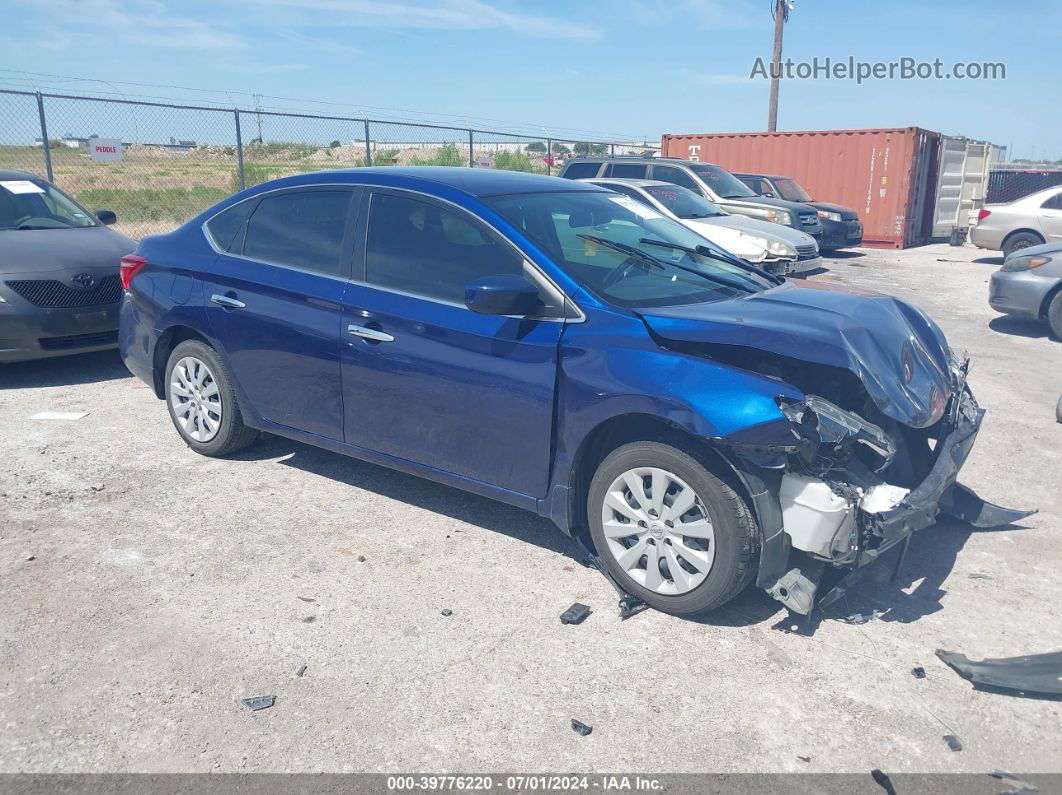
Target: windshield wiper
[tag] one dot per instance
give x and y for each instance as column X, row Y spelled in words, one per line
column 704, row 251
column 623, row 248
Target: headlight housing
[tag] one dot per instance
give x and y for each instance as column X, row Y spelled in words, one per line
column 827, row 429
column 772, row 215
column 774, row 247
column 1024, row 263
column 829, row 216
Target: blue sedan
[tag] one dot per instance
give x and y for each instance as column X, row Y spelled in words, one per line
column 557, row 346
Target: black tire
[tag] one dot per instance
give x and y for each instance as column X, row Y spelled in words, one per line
column 1054, row 316
column 736, row 533
column 231, row 434
column 1020, row 240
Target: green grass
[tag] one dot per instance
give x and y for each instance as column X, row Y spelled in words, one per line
column 174, row 205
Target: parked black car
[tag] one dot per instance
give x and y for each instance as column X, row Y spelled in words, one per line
column 59, row 282
column 841, row 227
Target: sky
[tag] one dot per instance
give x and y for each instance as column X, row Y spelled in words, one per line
column 630, row 69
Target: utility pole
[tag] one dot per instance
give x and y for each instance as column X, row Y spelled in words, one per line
column 780, row 12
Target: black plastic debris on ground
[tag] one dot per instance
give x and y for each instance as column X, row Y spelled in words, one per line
column 581, row 728
column 954, row 743
column 301, row 671
column 1013, row 784
column 883, row 780
column 804, row 758
column 918, row 672
column 446, row 611
column 576, row 614
column 256, row 703
column 1034, row 675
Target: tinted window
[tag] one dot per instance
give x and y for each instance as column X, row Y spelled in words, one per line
column 676, row 176
column 425, row 249
column 224, row 226
column 303, row 230
column 684, row 203
column 1054, row 203
column 722, row 181
column 581, row 169
column 626, row 190
column 627, row 170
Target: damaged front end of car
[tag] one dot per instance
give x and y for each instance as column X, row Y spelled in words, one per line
column 848, row 490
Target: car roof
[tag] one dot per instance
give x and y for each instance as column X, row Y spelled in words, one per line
column 8, row 174
column 473, row 181
column 678, row 161
column 759, row 174
column 638, row 183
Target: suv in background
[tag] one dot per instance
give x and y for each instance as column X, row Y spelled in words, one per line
column 840, row 225
column 714, row 183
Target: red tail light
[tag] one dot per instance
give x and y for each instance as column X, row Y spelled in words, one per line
column 131, row 265
column 982, row 215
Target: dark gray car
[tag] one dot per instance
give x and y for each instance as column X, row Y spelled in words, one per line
column 59, row 283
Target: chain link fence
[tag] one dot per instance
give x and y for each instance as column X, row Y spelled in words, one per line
column 178, row 160
column 1006, row 185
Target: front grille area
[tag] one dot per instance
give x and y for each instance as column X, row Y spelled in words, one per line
column 806, row 252
column 50, row 294
column 809, row 220
column 79, row 341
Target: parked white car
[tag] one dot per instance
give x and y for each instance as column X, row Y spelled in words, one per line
column 1029, row 221
column 773, row 247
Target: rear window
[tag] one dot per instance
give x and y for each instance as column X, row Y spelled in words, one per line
column 581, row 170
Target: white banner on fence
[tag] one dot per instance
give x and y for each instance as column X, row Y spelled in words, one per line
column 106, row 150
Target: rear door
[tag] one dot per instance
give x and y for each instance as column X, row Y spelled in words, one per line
column 428, row 380
column 1051, row 218
column 274, row 301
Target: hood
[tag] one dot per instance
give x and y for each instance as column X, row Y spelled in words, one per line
column 847, row 213
column 896, row 351
column 756, row 226
column 31, row 253
column 763, row 201
column 1044, row 249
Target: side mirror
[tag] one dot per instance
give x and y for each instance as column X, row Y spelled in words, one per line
column 768, row 194
column 107, row 217
column 503, row 294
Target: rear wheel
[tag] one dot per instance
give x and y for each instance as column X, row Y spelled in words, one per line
column 201, row 401
column 669, row 530
column 1020, row 240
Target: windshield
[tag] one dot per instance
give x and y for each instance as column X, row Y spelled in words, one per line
column 34, row 204
column 790, row 190
column 722, row 182
column 683, row 202
column 622, row 250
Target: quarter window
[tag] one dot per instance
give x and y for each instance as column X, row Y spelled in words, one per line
column 1054, row 203
column 226, row 225
column 421, row 248
column 303, row 229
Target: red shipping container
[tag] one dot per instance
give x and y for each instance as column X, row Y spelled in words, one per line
column 888, row 176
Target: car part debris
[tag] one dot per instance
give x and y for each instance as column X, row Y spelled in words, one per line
column 575, row 614
column 301, row 671
column 309, row 619
column 883, row 780
column 256, row 703
column 446, row 611
column 1013, row 783
column 306, row 599
column 581, row 728
column 918, row 672
column 954, row 743
column 1038, row 674
column 362, row 558
column 629, row 604
column 860, row 618
column 803, row 758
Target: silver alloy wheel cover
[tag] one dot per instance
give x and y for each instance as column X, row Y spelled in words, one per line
column 195, row 399
column 657, row 529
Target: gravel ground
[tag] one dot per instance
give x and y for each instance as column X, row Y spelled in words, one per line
column 146, row 590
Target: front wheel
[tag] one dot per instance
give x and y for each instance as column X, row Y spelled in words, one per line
column 202, row 403
column 669, row 530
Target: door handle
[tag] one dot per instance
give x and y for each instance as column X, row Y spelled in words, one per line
column 370, row 334
column 225, row 301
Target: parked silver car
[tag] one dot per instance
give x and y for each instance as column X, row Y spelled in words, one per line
column 1030, row 284
column 1029, row 221
column 774, row 247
